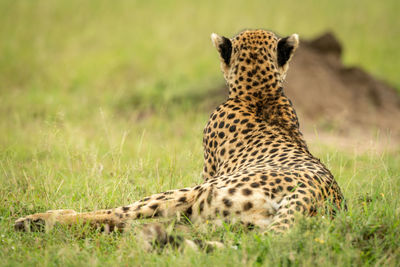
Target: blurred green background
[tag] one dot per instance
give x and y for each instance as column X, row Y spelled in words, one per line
column 89, row 120
column 90, row 53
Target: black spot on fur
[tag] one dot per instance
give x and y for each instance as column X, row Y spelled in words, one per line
column 247, row 206
column 255, row 185
column 246, row 192
column 154, row 206
column 125, row 209
column 201, row 206
column 288, row 179
column 189, row 211
column 232, row 191
column 227, row 202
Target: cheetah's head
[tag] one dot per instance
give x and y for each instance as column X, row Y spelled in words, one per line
column 254, row 56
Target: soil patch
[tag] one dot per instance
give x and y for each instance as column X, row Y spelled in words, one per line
column 346, row 100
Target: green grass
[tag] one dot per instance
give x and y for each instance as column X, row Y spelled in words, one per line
column 89, row 120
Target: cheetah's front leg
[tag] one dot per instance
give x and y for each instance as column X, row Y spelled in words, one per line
column 166, row 204
column 107, row 220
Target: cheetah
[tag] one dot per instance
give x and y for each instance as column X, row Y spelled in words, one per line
column 257, row 170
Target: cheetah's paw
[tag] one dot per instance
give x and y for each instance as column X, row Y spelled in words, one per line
column 40, row 222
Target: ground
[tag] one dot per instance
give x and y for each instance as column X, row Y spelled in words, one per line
column 87, row 122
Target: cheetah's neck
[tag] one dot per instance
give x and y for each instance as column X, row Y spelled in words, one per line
column 266, row 99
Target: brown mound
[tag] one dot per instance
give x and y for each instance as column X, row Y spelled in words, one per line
column 336, row 97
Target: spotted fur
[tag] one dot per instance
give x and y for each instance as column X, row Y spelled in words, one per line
column 257, row 167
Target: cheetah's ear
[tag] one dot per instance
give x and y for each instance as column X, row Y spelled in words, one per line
column 286, row 48
column 224, row 47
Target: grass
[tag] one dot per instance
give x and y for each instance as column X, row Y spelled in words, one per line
column 88, row 120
